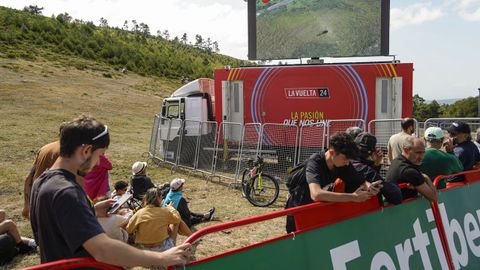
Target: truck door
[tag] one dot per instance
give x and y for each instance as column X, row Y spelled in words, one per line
column 232, row 108
column 388, row 103
column 174, row 109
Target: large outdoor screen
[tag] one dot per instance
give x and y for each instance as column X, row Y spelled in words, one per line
column 289, row 29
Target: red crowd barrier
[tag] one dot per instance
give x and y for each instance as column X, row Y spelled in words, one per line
column 73, row 264
column 304, row 219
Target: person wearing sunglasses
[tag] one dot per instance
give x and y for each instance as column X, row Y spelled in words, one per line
column 63, row 219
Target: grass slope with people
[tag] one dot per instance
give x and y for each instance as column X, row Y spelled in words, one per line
column 37, row 95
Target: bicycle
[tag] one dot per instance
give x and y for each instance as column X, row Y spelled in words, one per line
column 259, row 188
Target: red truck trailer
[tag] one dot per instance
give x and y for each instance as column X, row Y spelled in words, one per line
column 295, row 95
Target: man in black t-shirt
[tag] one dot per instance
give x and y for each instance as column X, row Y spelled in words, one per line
column 405, row 169
column 64, row 221
column 322, row 171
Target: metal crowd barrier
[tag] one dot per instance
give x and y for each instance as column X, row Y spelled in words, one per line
column 222, row 150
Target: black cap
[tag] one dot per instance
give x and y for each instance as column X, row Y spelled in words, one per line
column 366, row 141
column 459, row 127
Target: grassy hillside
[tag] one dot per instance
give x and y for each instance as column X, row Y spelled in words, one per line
column 35, row 96
column 42, row 85
column 27, row 36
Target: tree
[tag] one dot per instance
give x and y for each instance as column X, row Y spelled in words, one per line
column 103, row 22
column 199, row 41
column 215, row 47
column 144, row 29
column 64, row 18
column 166, row 35
column 135, row 27
column 35, row 10
column 419, row 108
column 422, row 110
column 184, row 38
column 433, row 109
column 467, row 107
column 125, row 25
column 208, row 45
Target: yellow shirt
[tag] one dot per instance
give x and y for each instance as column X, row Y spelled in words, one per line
column 150, row 224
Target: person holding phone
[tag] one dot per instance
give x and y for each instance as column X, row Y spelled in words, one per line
column 325, row 172
column 368, row 165
column 64, row 221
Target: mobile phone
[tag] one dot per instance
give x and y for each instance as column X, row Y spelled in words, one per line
column 121, row 201
column 377, row 184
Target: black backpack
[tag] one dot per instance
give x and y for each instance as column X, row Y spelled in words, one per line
column 297, row 176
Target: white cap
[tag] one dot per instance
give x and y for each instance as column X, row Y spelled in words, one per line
column 138, row 167
column 176, row 183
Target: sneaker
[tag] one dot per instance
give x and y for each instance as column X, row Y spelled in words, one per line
column 26, row 248
column 211, row 212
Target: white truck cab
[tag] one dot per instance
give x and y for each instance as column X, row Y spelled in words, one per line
column 192, row 102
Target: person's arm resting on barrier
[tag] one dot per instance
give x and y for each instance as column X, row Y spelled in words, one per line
column 318, row 194
column 422, row 184
column 107, row 250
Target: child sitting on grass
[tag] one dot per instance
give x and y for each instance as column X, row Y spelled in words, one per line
column 120, row 189
column 155, row 227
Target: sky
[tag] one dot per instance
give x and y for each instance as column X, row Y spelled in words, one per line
column 440, row 37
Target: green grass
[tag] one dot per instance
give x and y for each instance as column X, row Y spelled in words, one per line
column 32, row 106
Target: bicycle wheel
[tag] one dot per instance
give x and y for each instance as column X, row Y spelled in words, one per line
column 262, row 193
column 245, row 178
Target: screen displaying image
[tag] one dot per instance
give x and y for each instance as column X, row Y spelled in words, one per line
column 316, row 28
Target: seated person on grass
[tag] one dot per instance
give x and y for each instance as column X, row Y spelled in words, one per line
column 140, row 182
column 121, row 188
column 175, row 196
column 11, row 243
column 155, row 227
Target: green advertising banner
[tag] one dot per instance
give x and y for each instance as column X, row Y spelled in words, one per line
column 398, row 237
column 460, row 212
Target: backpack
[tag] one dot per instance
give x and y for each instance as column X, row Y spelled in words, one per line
column 297, row 176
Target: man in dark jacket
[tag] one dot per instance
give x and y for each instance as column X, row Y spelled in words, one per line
column 140, row 182
column 368, row 165
column 464, row 148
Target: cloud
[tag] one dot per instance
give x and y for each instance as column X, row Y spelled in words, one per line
column 469, row 10
column 414, row 14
